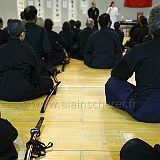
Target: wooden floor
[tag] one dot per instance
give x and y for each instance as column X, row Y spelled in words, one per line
column 78, row 120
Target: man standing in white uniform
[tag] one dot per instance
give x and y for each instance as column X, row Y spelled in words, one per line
column 113, row 12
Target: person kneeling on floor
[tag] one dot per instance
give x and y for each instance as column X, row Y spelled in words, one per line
column 20, row 77
column 143, row 100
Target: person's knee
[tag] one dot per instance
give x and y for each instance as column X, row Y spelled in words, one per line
column 110, row 84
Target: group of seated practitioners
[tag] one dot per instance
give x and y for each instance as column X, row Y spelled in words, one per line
column 138, row 33
column 20, row 71
column 143, row 100
column 58, row 45
column 4, row 37
column 38, row 38
column 104, row 48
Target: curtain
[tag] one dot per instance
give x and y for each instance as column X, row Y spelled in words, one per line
column 138, row 3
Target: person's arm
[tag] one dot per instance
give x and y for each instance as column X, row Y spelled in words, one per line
column 89, row 47
column 109, row 10
column 117, row 11
column 46, row 43
column 89, row 13
column 36, row 70
column 122, row 70
column 97, row 12
column 125, row 68
column 118, row 47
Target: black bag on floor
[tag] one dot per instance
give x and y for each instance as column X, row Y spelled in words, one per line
column 8, row 135
column 137, row 149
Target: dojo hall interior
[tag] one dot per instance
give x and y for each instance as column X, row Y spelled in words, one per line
column 77, row 119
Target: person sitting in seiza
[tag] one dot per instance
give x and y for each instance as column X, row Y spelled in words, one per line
column 104, row 48
column 20, row 77
column 143, row 100
column 36, row 36
column 57, row 56
column 83, row 37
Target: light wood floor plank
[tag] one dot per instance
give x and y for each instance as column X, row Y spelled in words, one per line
column 77, row 120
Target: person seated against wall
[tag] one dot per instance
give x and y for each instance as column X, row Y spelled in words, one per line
column 4, row 37
column 104, row 48
column 68, row 35
column 119, row 32
column 20, row 75
column 143, row 100
column 83, row 38
column 57, row 56
column 141, row 32
column 36, row 36
column 133, row 39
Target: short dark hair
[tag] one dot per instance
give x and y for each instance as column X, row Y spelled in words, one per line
column 30, row 13
column 1, row 20
column 66, row 26
column 8, row 21
column 117, row 25
column 22, row 15
column 78, row 24
column 72, row 23
column 143, row 21
column 104, row 20
column 15, row 28
column 48, row 24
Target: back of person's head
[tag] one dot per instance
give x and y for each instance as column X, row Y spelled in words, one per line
column 1, row 23
column 8, row 21
column 48, row 24
column 66, row 26
column 16, row 28
column 143, row 21
column 40, row 22
column 90, row 23
column 78, row 24
column 22, row 15
column 117, row 25
column 112, row 4
column 72, row 23
column 154, row 20
column 104, row 20
column 30, row 13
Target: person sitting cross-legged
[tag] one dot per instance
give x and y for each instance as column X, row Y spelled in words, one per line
column 143, row 100
column 20, row 75
column 104, row 48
